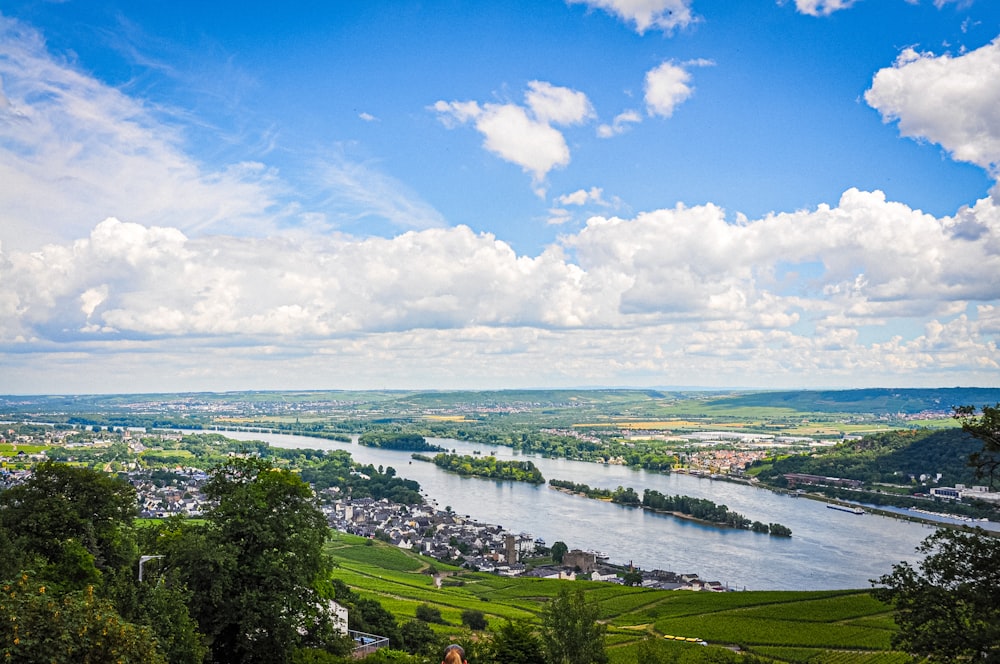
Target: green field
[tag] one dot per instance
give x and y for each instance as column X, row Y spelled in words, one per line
column 824, row 627
column 9, row 450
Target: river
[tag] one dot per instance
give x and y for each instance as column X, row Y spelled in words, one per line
column 829, row 549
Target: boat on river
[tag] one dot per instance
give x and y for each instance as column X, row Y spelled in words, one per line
column 846, row 508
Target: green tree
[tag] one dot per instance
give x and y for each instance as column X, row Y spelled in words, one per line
column 986, row 428
column 632, row 578
column 474, row 619
column 948, row 607
column 418, row 638
column 254, row 568
column 571, row 633
column 516, row 642
column 77, row 522
column 430, row 614
column 559, row 550
column 37, row 627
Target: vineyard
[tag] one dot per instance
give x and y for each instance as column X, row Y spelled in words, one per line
column 820, row 627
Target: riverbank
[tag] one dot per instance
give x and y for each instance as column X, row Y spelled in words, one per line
column 813, row 559
column 885, row 510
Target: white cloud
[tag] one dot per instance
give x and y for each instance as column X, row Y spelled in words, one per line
column 71, row 149
column 74, row 150
column 821, row 7
column 665, row 15
column 582, row 197
column 669, row 293
column 952, row 101
column 578, row 198
column 524, row 135
column 667, row 86
column 367, row 117
column 619, row 125
column 358, row 191
column 557, row 105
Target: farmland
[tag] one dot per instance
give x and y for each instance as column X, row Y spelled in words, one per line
column 829, row 627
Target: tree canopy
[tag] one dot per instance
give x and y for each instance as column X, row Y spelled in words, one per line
column 255, row 567
column 77, row 522
column 68, row 554
column 571, row 633
column 948, row 607
column 986, row 428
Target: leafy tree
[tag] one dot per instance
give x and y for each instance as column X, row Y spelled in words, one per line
column 37, row 627
column 948, row 608
column 367, row 615
column 474, row 619
column 429, row 614
column 986, row 428
column 76, row 521
column 418, row 637
column 254, row 568
column 559, row 550
column 517, row 643
column 632, row 578
column 161, row 604
column 571, row 633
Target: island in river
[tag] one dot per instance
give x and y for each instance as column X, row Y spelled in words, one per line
column 490, row 467
column 700, row 510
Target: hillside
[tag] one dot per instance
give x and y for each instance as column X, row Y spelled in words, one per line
column 897, row 457
column 875, row 401
column 839, row 627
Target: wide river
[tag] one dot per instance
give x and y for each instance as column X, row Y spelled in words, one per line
column 829, row 549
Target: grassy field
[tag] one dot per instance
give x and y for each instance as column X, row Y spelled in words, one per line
column 9, row 449
column 821, row 627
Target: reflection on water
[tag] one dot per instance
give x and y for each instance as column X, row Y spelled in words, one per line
column 829, row 549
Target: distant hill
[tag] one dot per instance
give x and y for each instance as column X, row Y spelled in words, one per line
column 892, row 458
column 876, row 401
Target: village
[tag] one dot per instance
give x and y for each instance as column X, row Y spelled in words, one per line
column 441, row 534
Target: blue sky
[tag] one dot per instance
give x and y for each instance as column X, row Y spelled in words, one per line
column 215, row 196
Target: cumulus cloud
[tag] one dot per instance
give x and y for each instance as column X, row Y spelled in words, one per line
column 665, row 15
column 667, row 86
column 666, row 292
column 822, row 7
column 557, row 105
column 952, row 101
column 524, row 135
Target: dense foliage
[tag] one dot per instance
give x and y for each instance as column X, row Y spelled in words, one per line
column 898, row 457
column 985, row 427
column 948, row 607
column 256, row 565
column 38, row 626
column 73, row 525
column 518, row 471
column 571, row 631
column 68, row 555
column 395, row 440
column 337, row 470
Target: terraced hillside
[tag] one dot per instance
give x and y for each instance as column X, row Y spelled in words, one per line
column 822, row 627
